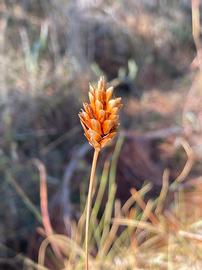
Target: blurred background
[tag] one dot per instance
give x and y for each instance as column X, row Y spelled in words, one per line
column 49, row 52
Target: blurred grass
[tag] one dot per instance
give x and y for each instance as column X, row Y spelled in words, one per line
column 126, row 239
column 49, row 51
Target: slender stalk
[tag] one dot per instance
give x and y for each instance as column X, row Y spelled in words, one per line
column 44, row 206
column 89, row 202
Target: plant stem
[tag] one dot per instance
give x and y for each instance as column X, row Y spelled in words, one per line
column 89, row 202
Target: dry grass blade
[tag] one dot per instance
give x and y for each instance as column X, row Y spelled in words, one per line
column 138, row 224
column 112, row 233
column 163, row 193
column 66, row 245
column 132, row 199
column 190, row 160
column 196, row 30
column 191, row 236
column 142, row 205
column 146, row 214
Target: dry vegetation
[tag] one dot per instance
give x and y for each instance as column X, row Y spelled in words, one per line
column 148, row 192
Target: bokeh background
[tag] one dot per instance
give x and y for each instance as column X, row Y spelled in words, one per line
column 49, row 52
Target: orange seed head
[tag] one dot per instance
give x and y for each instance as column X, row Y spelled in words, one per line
column 100, row 118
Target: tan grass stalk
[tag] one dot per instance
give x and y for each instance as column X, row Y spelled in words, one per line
column 99, row 120
column 89, row 202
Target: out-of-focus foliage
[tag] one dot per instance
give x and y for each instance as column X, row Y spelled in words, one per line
column 49, row 51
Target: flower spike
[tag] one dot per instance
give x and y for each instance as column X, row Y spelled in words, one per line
column 100, row 117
